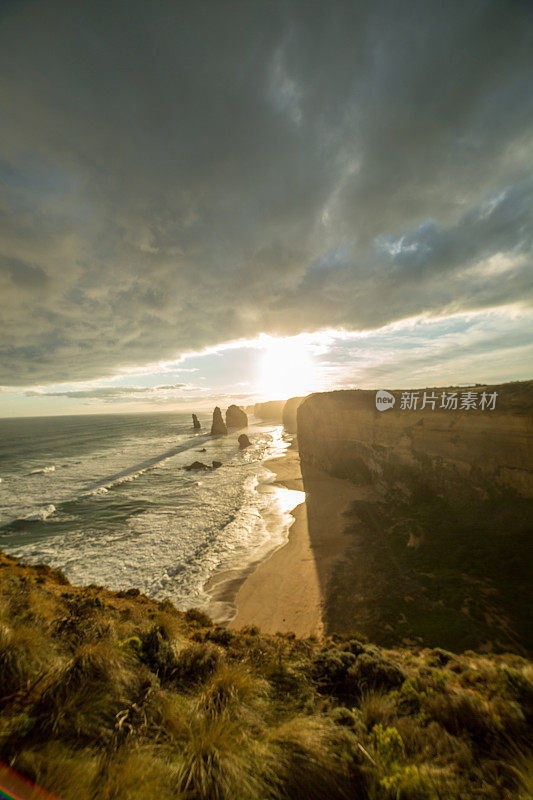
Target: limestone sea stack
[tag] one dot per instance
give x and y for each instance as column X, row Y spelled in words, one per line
column 244, row 441
column 236, row 417
column 195, row 421
column 219, row 426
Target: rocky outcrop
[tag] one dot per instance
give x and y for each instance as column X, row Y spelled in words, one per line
column 243, row 441
column 195, row 421
column 216, row 464
column 196, row 465
column 236, row 417
column 469, row 450
column 289, row 413
column 271, row 411
column 219, row 426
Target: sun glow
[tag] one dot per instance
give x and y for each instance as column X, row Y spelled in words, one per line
column 287, row 369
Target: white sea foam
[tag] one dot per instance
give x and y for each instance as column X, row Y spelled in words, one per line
column 165, row 533
column 121, row 480
column 41, row 514
column 100, row 490
column 42, row 470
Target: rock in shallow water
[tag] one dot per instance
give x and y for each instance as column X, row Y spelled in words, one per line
column 244, row 441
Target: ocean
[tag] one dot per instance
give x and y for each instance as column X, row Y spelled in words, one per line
column 105, row 498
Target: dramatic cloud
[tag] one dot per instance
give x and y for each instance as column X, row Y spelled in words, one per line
column 107, row 392
column 177, row 175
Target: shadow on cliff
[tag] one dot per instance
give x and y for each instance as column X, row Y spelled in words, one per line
column 427, row 570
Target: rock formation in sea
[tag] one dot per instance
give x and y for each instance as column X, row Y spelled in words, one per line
column 195, row 421
column 244, row 441
column 219, row 426
column 196, row 465
column 217, row 464
column 236, row 417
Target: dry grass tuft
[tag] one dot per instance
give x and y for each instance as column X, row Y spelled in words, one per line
column 377, row 707
column 213, row 763
column 231, row 687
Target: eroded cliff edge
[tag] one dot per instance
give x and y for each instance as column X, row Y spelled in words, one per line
column 461, row 450
column 442, row 552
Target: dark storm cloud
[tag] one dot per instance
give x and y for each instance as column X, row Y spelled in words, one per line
column 175, row 175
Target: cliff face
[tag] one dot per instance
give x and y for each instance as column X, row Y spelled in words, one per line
column 289, row 413
column 468, row 451
column 270, row 411
column 438, row 537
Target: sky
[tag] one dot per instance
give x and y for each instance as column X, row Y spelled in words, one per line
column 214, row 202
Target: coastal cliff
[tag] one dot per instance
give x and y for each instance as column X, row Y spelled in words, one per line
column 468, row 451
column 290, row 410
column 272, row 410
column 440, row 532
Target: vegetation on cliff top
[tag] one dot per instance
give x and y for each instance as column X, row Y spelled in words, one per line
column 436, row 572
column 109, row 695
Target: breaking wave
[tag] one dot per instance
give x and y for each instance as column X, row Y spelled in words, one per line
column 41, row 514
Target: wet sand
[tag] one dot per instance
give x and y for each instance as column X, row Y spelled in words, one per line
column 286, row 591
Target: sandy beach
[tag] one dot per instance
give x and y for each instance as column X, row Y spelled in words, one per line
column 286, row 591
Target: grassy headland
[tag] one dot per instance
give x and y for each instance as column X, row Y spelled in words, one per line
column 108, row 695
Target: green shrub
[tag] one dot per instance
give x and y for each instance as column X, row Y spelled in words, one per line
column 194, row 664
column 330, row 671
column 347, row 718
column 197, row 617
column 375, row 672
column 315, row 760
column 220, row 635
column 461, row 714
column 408, row 782
column 387, row 743
column 285, row 680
